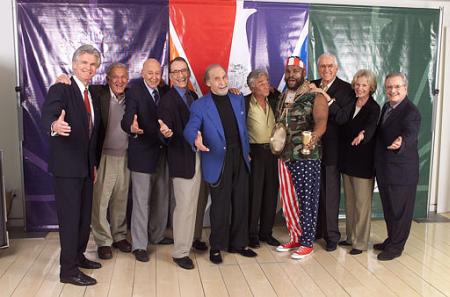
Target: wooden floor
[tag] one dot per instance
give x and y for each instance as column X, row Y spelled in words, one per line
column 30, row 268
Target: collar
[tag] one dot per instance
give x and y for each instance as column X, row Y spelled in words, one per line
column 120, row 99
column 80, row 85
column 150, row 89
column 181, row 91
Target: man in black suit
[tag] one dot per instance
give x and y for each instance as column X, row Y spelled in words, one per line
column 146, row 161
column 340, row 106
column 184, row 164
column 397, row 164
column 260, row 108
column 71, row 115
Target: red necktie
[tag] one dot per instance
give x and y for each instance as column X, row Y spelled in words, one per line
column 87, row 105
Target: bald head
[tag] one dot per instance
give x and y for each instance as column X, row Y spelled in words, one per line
column 151, row 72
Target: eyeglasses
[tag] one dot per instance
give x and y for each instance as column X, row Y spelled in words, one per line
column 394, row 87
column 181, row 71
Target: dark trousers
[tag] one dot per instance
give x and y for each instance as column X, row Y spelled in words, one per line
column 398, row 209
column 263, row 191
column 73, row 205
column 229, row 204
column 330, row 186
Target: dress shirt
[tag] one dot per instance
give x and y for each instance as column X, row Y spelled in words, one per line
column 260, row 122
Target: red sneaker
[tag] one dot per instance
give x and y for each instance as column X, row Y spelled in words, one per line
column 302, row 252
column 287, row 246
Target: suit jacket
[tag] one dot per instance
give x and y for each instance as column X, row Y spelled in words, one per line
column 358, row 160
column 73, row 155
column 272, row 98
column 206, row 119
column 399, row 167
column 143, row 149
column 338, row 114
column 175, row 114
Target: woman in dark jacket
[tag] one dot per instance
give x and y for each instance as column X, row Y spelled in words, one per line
column 357, row 161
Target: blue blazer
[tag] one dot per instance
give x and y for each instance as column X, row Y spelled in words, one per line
column 205, row 118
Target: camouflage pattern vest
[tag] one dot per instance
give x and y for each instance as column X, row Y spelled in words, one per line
column 298, row 117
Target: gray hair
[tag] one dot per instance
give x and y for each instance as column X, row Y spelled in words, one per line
column 254, row 75
column 208, row 70
column 86, row 49
column 335, row 63
column 397, row 74
column 114, row 66
column 369, row 75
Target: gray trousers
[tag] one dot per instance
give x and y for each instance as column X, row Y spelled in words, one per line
column 201, row 206
column 184, row 215
column 110, row 192
column 150, row 206
column 358, row 210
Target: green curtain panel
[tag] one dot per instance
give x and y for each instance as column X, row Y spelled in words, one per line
column 384, row 40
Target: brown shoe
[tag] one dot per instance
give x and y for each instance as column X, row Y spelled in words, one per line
column 104, row 252
column 123, row 245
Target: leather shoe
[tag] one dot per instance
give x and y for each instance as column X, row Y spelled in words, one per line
column 331, row 246
column 141, row 255
column 378, row 246
column 246, row 252
column 184, row 262
column 199, row 245
column 254, row 243
column 215, row 256
column 166, row 241
column 79, row 279
column 104, row 252
column 88, row 264
column 344, row 243
column 387, row 256
column 355, row 252
column 270, row 240
column 123, row 245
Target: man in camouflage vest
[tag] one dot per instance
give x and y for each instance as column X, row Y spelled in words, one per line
column 304, row 111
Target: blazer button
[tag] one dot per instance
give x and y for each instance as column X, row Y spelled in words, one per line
column 225, row 148
column 160, row 146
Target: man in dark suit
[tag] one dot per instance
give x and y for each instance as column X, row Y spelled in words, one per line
column 184, row 164
column 340, row 106
column 260, row 108
column 217, row 128
column 397, row 164
column 71, row 115
column 146, row 161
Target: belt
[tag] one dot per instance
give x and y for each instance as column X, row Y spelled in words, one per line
column 265, row 146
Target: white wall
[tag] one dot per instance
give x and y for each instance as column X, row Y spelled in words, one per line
column 9, row 123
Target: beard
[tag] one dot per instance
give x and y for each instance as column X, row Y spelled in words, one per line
column 294, row 86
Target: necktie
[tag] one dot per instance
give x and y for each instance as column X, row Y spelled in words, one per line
column 387, row 113
column 87, row 105
column 189, row 98
column 323, row 86
column 156, row 96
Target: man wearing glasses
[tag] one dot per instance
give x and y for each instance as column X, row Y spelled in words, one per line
column 184, row 164
column 397, row 164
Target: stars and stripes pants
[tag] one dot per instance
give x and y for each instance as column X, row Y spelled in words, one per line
column 299, row 194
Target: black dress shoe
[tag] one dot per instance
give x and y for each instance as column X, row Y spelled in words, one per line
column 166, row 241
column 355, row 252
column 215, row 256
column 344, row 243
column 246, row 252
column 199, row 245
column 387, row 256
column 88, row 264
column 80, row 279
column 270, row 240
column 104, row 252
column 123, row 245
column 331, row 246
column 184, row 262
column 378, row 246
column 141, row 255
column 254, row 243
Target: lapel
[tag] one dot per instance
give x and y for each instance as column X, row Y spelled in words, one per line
column 213, row 114
column 182, row 105
column 395, row 113
column 362, row 112
column 333, row 88
column 79, row 103
column 147, row 97
column 105, row 98
column 236, row 109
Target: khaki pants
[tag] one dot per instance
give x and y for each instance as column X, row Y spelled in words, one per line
column 358, row 210
column 110, row 192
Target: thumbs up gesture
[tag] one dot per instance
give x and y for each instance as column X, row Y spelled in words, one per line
column 199, row 143
column 135, row 126
column 165, row 131
column 60, row 126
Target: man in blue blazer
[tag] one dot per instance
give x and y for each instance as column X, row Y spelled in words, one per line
column 217, row 128
column 397, row 164
column 71, row 116
column 146, row 161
